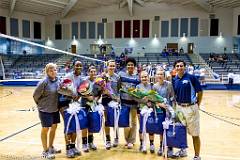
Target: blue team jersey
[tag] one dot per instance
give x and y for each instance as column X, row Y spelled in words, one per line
column 185, row 88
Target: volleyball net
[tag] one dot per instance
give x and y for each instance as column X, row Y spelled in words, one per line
column 22, row 59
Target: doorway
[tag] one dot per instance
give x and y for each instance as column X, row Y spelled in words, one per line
column 190, row 48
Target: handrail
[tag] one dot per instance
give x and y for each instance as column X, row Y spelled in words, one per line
column 200, row 59
column 3, row 70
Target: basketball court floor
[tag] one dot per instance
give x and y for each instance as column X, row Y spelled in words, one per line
column 20, row 129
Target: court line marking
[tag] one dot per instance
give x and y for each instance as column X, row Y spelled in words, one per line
column 9, row 93
column 220, row 157
column 202, row 155
column 18, row 132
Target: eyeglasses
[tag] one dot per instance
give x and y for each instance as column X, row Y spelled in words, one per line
column 179, row 65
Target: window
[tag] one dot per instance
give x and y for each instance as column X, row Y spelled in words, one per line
column 214, row 27
column 3, row 25
column 26, row 28
column 58, row 31
column 37, row 30
column 165, row 28
column 14, row 27
column 118, row 29
column 75, row 29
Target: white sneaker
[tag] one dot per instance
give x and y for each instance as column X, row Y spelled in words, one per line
column 115, row 142
column 181, row 153
column 108, row 145
column 197, row 158
column 129, row 145
column 76, row 152
column 53, row 150
column 47, row 155
column 170, row 154
column 92, row 146
column 152, row 148
column 144, row 149
column 85, row 148
column 70, row 153
column 160, row 152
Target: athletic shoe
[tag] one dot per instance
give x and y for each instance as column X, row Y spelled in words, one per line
column 47, row 155
column 70, row 153
column 76, row 152
column 92, row 146
column 53, row 150
column 115, row 142
column 144, row 149
column 170, row 154
column 160, row 151
column 181, row 153
column 152, row 148
column 129, row 145
column 85, row 148
column 108, row 145
column 197, row 158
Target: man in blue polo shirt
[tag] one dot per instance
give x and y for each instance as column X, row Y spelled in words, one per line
column 188, row 93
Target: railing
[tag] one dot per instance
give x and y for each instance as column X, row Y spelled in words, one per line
column 3, row 70
column 200, row 59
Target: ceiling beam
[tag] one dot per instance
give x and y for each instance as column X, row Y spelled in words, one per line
column 12, row 6
column 58, row 2
column 44, row 3
column 225, row 2
column 203, row 4
column 140, row 2
column 68, row 7
column 130, row 7
column 123, row 3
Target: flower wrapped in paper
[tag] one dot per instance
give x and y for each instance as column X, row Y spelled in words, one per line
column 180, row 118
column 66, row 87
column 134, row 92
column 151, row 95
column 85, row 88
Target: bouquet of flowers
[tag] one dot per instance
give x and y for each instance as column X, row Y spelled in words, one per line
column 151, row 95
column 85, row 88
column 134, row 92
column 66, row 87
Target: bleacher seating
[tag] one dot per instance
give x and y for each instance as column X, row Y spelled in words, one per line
column 156, row 58
column 232, row 65
column 28, row 65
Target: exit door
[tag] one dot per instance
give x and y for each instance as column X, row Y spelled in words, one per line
column 190, row 47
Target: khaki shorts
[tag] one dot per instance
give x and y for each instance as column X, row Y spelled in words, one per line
column 192, row 118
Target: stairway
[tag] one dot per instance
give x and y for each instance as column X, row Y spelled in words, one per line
column 197, row 60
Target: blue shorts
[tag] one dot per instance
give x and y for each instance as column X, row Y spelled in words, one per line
column 48, row 119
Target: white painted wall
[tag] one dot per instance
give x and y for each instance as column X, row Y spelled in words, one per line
column 227, row 25
column 202, row 44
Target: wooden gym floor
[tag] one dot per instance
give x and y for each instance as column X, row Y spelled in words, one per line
column 220, row 140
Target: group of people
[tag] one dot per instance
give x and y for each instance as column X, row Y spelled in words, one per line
column 218, row 58
column 183, row 91
column 166, row 52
